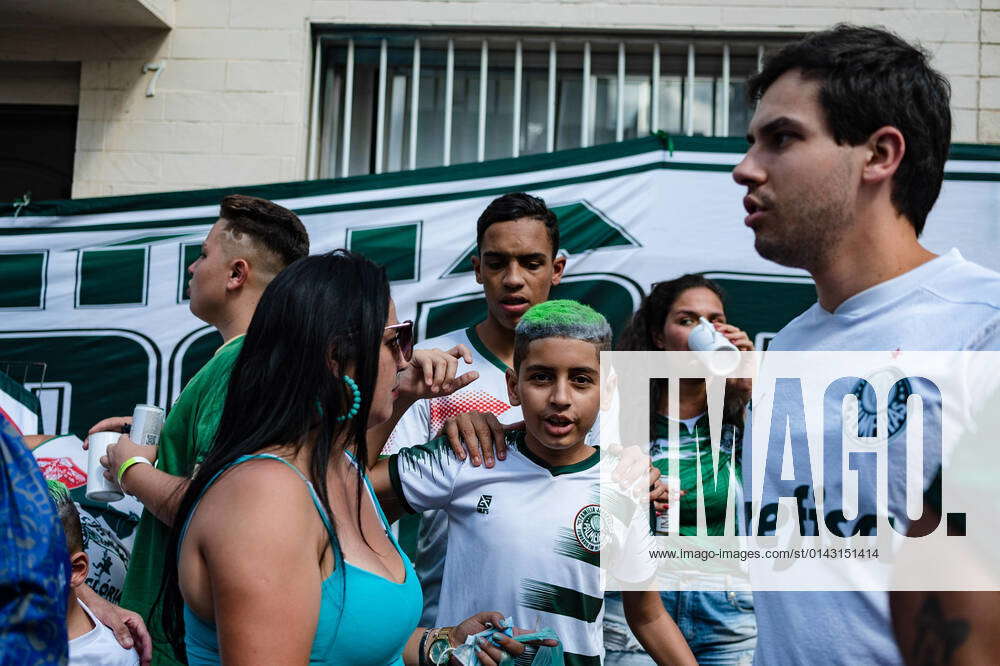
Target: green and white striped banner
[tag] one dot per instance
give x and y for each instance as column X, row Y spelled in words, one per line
column 97, row 288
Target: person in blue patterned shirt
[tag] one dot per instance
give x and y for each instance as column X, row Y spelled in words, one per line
column 34, row 564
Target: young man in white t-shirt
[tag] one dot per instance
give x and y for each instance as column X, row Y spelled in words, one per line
column 90, row 642
column 526, row 536
column 847, row 155
column 517, row 240
column 517, row 237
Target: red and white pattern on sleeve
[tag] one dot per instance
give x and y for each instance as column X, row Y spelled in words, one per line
column 461, row 402
column 64, row 470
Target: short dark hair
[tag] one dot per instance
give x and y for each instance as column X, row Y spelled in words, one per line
column 870, row 78
column 514, row 206
column 274, row 227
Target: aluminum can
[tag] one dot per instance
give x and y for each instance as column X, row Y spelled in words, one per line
column 147, row 422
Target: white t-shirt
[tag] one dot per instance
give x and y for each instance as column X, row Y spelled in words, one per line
column 945, row 304
column 524, row 538
column 98, row 647
column 108, row 527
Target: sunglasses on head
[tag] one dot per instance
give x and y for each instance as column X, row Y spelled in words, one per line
column 403, row 341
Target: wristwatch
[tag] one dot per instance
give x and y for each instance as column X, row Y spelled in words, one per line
column 438, row 652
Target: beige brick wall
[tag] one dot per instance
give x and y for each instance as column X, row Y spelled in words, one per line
column 989, row 84
column 231, row 108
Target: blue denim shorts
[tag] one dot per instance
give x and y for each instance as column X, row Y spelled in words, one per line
column 720, row 628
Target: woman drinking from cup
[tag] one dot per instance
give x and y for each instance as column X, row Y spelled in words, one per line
column 718, row 623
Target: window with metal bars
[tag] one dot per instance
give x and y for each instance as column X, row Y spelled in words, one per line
column 391, row 100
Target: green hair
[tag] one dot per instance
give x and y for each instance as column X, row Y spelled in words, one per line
column 68, row 514
column 58, row 492
column 560, row 319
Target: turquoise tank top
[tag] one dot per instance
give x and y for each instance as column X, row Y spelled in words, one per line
column 364, row 619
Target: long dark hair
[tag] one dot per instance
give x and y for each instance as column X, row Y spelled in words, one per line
column 647, row 323
column 323, row 309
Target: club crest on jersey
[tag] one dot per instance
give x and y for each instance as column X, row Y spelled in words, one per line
column 587, row 528
column 866, row 392
column 484, row 503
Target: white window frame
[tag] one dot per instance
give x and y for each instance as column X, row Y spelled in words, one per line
column 557, row 42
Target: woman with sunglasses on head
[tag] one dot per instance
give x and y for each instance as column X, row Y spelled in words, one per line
column 280, row 553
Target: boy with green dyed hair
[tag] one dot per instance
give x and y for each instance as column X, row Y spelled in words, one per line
column 529, row 529
column 90, row 642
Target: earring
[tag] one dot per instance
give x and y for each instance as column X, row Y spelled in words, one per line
column 356, row 405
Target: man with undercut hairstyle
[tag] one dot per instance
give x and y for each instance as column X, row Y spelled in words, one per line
column 252, row 241
column 847, row 155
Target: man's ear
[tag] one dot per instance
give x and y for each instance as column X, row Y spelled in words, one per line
column 79, row 568
column 558, row 266
column 511, row 377
column 239, row 273
column 885, row 149
column 476, row 268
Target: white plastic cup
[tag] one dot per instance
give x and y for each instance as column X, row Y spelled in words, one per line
column 100, row 489
column 713, row 349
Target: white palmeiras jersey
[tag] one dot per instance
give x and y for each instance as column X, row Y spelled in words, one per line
column 422, row 423
column 524, row 538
